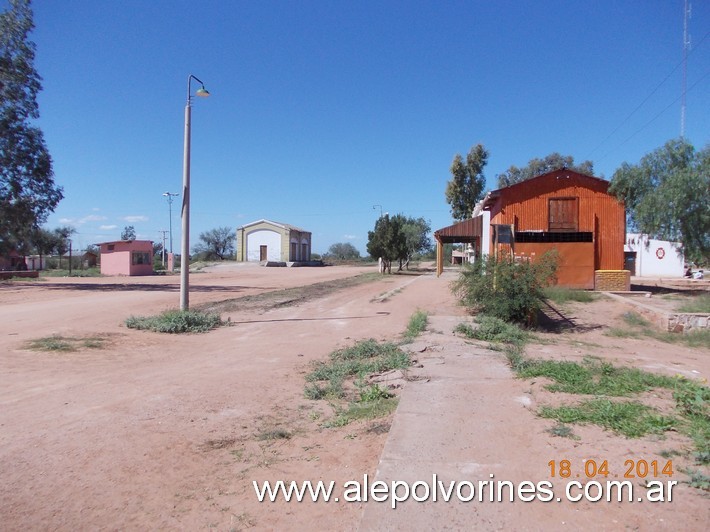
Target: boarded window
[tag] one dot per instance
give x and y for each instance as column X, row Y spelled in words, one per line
column 563, row 214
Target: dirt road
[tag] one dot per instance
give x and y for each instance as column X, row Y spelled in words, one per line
column 159, row 431
column 156, row 431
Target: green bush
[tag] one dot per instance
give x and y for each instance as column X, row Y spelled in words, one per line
column 176, row 321
column 504, row 288
column 491, row 329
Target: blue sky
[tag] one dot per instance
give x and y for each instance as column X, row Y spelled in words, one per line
column 321, row 110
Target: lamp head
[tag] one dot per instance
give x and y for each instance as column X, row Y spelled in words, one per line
column 202, row 92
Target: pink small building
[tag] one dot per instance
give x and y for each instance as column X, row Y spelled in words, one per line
column 127, row 257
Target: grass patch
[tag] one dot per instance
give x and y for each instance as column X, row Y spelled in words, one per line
column 562, row 295
column 365, row 357
column 631, row 419
column 618, row 332
column 274, row 434
column 360, row 410
column 698, row 304
column 66, row 344
column 497, row 331
column 341, row 380
column 491, row 329
column 176, row 321
column 563, row 431
column 639, row 327
column 593, row 377
column 417, row 324
column 698, row 479
column 634, row 319
column 89, row 272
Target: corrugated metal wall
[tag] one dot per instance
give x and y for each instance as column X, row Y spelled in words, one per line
column 526, row 206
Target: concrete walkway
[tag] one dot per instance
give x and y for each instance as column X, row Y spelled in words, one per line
column 452, row 423
column 466, row 418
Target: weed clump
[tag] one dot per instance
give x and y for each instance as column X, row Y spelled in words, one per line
column 562, row 295
column 632, row 419
column 330, row 380
column 417, row 324
column 176, row 322
column 492, row 329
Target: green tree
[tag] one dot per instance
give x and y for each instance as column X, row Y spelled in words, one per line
column 43, row 241
column 27, row 189
column 128, row 233
column 467, row 182
column 216, row 243
column 62, row 235
column 667, row 196
column 537, row 167
column 416, row 236
column 343, row 251
column 387, row 241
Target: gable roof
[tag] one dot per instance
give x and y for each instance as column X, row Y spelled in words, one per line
column 277, row 224
column 563, row 173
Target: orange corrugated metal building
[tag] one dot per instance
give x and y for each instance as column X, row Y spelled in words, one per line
column 563, row 210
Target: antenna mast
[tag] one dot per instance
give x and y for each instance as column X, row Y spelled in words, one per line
column 686, row 46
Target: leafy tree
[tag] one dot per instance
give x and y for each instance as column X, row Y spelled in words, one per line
column 416, row 236
column 43, row 241
column 128, row 233
column 343, row 251
column 398, row 238
column 537, row 167
column 216, row 243
column 388, row 240
column 467, row 182
column 667, row 196
column 62, row 236
column 27, row 189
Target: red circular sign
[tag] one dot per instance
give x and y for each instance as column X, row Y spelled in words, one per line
column 660, row 253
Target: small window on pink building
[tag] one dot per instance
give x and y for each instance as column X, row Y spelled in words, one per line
column 110, row 247
column 138, row 257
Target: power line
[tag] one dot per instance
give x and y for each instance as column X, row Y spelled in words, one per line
column 632, row 113
column 655, row 117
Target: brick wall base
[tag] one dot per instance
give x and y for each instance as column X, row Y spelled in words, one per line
column 612, row 280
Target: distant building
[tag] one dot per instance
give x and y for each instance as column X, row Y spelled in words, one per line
column 562, row 210
column 12, row 261
column 647, row 257
column 265, row 240
column 127, row 257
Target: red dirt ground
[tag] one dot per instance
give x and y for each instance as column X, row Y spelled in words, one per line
column 157, row 431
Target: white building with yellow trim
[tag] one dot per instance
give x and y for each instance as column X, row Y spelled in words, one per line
column 265, row 240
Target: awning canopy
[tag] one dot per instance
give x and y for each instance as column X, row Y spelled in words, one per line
column 462, row 232
column 466, row 232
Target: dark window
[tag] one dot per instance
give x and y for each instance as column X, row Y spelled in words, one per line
column 110, row 247
column 563, row 214
column 548, row 237
column 139, row 257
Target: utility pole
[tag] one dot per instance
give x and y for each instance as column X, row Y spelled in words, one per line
column 163, row 232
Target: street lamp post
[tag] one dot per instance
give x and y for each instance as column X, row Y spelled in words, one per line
column 185, row 248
